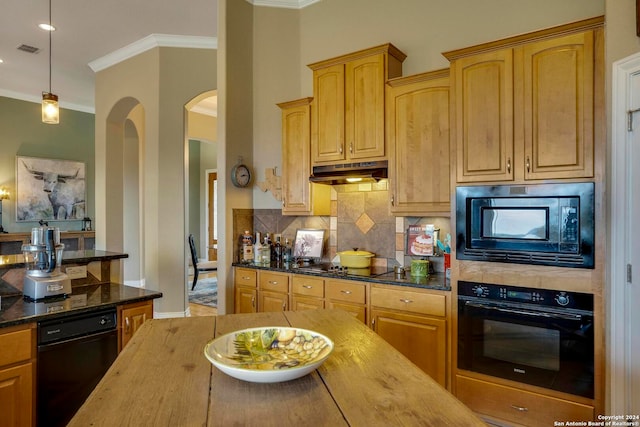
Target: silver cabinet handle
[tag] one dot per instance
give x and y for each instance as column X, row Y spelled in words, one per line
column 520, row 408
column 284, row 306
column 393, row 200
column 307, row 286
column 528, row 165
column 406, row 301
column 253, row 302
column 346, row 292
column 340, row 149
column 127, row 325
column 246, row 278
column 351, row 147
column 272, row 282
column 283, row 202
column 509, row 165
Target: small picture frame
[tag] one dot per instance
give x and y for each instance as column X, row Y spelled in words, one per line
column 309, row 243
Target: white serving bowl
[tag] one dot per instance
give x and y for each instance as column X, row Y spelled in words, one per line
column 269, row 354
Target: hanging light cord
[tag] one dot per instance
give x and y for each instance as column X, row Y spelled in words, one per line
column 50, row 31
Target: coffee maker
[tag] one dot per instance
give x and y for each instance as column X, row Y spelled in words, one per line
column 42, row 258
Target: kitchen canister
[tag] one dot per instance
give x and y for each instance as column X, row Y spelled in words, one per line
column 419, row 267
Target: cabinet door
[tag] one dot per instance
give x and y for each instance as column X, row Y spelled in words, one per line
column 132, row 317
column 358, row 311
column 296, row 157
column 364, row 99
column 16, row 395
column 327, row 135
column 558, row 80
column 306, row 303
column 418, row 139
column 421, row 339
column 245, row 300
column 272, row 301
column 483, row 86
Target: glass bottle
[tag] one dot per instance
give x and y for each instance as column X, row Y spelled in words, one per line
column 277, row 250
column 257, row 250
column 266, row 251
column 247, row 247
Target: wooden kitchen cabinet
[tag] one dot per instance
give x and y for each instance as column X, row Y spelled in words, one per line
column 348, row 107
column 307, row 293
column 246, row 290
column 512, row 405
column 299, row 196
column 418, row 138
column 347, row 295
column 130, row 319
column 524, row 106
column 273, row 291
column 17, row 375
column 415, row 323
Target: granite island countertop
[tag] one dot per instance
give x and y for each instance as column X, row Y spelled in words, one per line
column 15, row 310
column 382, row 275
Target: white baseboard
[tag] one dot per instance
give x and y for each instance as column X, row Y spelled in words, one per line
column 170, row 314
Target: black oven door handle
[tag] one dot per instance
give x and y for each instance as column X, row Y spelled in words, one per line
column 524, row 312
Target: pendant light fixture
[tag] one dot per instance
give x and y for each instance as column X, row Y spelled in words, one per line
column 50, row 108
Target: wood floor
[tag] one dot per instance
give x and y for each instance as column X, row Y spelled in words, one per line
column 202, row 310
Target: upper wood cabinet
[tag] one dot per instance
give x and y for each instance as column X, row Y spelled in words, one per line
column 418, row 140
column 348, row 108
column 299, row 196
column 524, row 106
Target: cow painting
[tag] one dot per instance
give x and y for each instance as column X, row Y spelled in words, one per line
column 63, row 187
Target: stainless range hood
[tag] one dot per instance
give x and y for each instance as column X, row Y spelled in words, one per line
column 349, row 173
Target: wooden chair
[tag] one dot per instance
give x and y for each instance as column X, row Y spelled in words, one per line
column 198, row 267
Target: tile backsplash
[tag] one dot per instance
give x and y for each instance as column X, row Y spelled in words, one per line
column 359, row 218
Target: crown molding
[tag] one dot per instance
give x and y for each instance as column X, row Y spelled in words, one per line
column 38, row 100
column 289, row 4
column 150, row 42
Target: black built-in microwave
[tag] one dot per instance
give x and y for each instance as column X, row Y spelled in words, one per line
column 544, row 224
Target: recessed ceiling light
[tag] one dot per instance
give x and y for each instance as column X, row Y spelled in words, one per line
column 1, row 61
column 47, row 27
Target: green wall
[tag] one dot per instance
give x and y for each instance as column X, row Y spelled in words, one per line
column 23, row 134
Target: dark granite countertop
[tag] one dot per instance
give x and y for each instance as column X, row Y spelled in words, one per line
column 16, row 310
column 380, row 275
column 68, row 257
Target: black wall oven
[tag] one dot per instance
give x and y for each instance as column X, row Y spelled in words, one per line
column 534, row 336
column 545, row 224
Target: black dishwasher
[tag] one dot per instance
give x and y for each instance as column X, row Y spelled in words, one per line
column 74, row 352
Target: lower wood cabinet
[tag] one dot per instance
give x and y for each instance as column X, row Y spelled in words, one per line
column 307, row 293
column 246, row 290
column 17, row 375
column 509, row 404
column 347, row 295
column 130, row 319
column 415, row 323
column 273, row 291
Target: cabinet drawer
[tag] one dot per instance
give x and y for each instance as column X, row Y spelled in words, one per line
column 309, row 286
column 518, row 406
column 246, row 277
column 16, row 346
column 344, row 290
column 415, row 302
column 276, row 282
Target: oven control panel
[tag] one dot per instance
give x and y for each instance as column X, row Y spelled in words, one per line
column 544, row 297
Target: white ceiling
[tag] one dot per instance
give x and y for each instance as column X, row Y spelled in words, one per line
column 87, row 31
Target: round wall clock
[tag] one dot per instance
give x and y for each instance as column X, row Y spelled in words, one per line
column 240, row 175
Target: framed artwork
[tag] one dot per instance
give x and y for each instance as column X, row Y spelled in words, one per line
column 308, row 243
column 50, row 189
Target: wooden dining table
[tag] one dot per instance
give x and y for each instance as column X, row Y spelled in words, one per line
column 162, row 378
